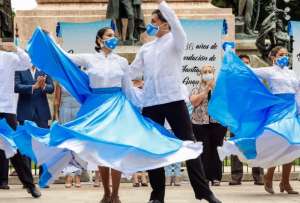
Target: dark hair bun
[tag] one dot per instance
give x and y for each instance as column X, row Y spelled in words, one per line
column 100, row 34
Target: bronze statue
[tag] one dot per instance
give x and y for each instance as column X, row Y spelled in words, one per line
column 245, row 12
column 139, row 23
column 6, row 21
column 128, row 17
column 272, row 32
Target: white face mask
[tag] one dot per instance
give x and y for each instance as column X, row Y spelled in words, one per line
column 207, row 76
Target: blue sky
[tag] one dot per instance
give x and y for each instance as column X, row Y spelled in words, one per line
column 23, row 4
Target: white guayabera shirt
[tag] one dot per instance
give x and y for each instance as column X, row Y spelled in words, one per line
column 9, row 63
column 160, row 62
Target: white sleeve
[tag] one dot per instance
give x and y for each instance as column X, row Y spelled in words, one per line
column 23, row 62
column 78, row 59
column 177, row 30
column 136, row 68
column 134, row 94
column 263, row 73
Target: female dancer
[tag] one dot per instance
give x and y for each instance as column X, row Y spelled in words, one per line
column 109, row 130
column 265, row 122
column 281, row 80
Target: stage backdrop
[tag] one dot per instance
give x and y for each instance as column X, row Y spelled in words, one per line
column 294, row 31
column 204, row 44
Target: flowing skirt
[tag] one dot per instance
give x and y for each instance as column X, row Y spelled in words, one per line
column 7, row 143
column 109, row 131
column 266, row 126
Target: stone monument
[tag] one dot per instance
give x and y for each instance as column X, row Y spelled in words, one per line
column 6, row 21
column 49, row 12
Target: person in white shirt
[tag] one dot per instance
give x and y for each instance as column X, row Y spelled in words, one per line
column 11, row 60
column 160, row 62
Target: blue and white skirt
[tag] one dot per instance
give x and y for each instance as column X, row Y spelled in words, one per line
column 109, row 131
column 6, row 141
column 266, row 126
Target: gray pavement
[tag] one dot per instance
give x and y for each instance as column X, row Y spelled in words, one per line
column 87, row 194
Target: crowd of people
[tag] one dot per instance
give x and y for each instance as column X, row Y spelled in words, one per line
column 109, row 119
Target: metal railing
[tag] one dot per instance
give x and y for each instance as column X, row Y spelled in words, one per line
column 227, row 166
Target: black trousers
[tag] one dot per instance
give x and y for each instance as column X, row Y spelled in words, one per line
column 212, row 136
column 17, row 161
column 41, row 124
column 177, row 115
column 237, row 169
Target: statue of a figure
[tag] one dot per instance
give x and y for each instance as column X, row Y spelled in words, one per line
column 245, row 12
column 224, row 3
column 128, row 17
column 6, row 21
column 272, row 32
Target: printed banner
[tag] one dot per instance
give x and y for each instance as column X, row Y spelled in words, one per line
column 294, row 31
column 204, row 47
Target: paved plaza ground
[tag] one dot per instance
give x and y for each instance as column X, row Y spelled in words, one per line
column 247, row 193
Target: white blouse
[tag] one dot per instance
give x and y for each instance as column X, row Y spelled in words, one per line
column 280, row 80
column 108, row 71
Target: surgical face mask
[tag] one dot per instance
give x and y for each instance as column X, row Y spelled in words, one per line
column 111, row 43
column 282, row 61
column 151, row 29
column 207, row 76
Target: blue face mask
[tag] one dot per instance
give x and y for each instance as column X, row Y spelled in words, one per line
column 151, row 29
column 111, row 43
column 282, row 61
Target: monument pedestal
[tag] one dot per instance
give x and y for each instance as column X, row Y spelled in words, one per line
column 49, row 12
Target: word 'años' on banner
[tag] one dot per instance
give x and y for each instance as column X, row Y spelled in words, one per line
column 196, row 56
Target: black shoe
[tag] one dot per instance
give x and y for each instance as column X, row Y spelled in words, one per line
column 128, row 42
column 4, row 187
column 35, row 193
column 154, row 201
column 234, row 182
column 215, row 183
column 258, row 183
column 212, row 199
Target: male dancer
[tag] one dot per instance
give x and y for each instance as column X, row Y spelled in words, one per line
column 12, row 59
column 160, row 61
